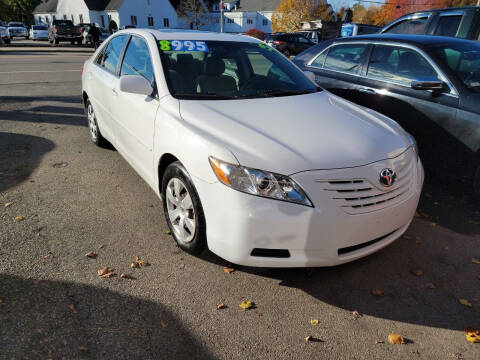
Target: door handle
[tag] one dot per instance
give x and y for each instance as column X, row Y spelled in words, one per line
column 115, row 93
column 367, row 91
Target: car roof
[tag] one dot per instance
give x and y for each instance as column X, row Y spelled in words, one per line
column 441, row 10
column 418, row 40
column 177, row 34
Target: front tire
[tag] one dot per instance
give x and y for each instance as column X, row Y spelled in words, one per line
column 183, row 209
column 95, row 134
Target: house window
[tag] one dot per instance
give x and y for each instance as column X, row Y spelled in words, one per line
column 103, row 21
column 230, row 21
column 133, row 20
column 150, row 21
column 249, row 21
column 54, row 17
column 73, row 19
column 166, row 22
column 217, row 20
column 265, row 22
column 64, row 17
column 81, row 18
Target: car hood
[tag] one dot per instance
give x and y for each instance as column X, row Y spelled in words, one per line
column 291, row 134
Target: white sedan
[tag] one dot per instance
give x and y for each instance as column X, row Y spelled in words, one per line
column 249, row 156
column 39, row 32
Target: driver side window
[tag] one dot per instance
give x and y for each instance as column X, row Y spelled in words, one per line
column 137, row 60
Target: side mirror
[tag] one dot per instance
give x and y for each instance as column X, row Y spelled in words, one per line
column 135, row 84
column 310, row 75
column 433, row 84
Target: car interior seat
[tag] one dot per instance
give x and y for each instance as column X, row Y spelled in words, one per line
column 213, row 81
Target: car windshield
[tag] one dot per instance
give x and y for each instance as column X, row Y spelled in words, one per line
column 220, row 70
column 39, row 27
column 464, row 60
column 16, row 25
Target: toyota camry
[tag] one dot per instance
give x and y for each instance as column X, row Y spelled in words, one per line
column 251, row 159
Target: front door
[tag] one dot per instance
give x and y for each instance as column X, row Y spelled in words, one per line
column 134, row 113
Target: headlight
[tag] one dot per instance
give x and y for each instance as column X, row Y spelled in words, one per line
column 413, row 143
column 258, row 182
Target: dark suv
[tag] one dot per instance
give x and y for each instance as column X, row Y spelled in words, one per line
column 289, row 44
column 461, row 22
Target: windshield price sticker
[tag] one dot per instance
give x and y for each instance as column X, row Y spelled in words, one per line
column 266, row 47
column 183, row 45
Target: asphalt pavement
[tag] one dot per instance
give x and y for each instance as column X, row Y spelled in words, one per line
column 74, row 198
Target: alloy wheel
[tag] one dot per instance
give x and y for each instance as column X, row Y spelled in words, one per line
column 181, row 212
column 92, row 123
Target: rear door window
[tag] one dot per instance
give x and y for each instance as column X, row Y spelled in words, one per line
column 448, row 25
column 398, row 65
column 409, row 26
column 345, row 58
column 110, row 56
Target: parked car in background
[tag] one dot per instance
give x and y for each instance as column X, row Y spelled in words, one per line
column 461, row 22
column 289, row 43
column 4, row 39
column 352, row 29
column 429, row 84
column 39, row 32
column 17, row 29
column 64, row 30
column 308, row 178
column 87, row 38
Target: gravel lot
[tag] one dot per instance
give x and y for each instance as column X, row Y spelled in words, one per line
column 75, row 198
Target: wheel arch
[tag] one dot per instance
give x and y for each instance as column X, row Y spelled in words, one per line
column 165, row 160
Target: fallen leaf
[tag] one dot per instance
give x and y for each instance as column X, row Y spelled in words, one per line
column 60, row 165
column 106, row 272
column 430, row 286
column 19, row 218
column 126, row 276
column 91, row 254
column 1, row 302
column 472, row 335
column 396, row 339
column 309, row 338
column 138, row 262
column 433, row 224
column 258, row 313
column 378, row 293
column 163, row 323
column 246, row 304
column 417, row 214
column 356, row 314
column 134, row 265
column 73, row 308
column 475, row 261
column 101, row 246
column 314, row 322
column 8, row 204
column 221, row 306
column 168, row 232
column 228, row 270
column 417, row 272
column 83, row 348
column 379, row 342
column 465, row 302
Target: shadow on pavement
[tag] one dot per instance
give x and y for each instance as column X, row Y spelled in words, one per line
column 20, row 155
column 41, row 110
column 50, row 319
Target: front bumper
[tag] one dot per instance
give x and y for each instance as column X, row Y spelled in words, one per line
column 328, row 234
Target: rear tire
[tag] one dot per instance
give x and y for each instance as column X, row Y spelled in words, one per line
column 95, row 134
column 183, row 209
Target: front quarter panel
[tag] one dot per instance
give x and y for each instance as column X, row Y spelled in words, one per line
column 189, row 145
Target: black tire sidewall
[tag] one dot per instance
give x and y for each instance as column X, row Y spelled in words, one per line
column 198, row 244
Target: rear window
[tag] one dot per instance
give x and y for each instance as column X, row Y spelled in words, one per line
column 448, row 25
column 409, row 26
column 16, row 25
column 345, row 58
column 39, row 27
column 63, row 23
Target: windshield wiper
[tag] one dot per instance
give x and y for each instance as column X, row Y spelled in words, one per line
column 209, row 96
column 284, row 92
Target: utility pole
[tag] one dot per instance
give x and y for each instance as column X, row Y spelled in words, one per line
column 222, row 20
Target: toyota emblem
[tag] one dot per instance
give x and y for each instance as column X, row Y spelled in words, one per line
column 387, row 177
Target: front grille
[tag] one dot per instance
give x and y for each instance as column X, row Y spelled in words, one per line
column 357, row 196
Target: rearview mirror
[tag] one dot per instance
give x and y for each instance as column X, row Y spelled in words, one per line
column 310, row 75
column 431, row 84
column 135, row 84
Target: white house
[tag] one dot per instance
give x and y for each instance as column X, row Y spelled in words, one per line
column 109, row 13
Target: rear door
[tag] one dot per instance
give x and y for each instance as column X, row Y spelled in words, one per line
column 386, row 88
column 337, row 68
column 135, row 114
column 104, row 82
column 448, row 23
